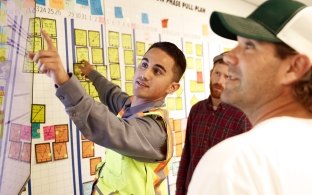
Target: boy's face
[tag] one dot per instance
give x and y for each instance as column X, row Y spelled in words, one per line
column 153, row 78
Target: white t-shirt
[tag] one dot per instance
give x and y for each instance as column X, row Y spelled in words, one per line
column 275, row 157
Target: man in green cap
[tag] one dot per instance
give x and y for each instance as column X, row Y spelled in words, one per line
column 271, row 81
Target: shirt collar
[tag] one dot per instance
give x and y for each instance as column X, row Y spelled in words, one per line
column 129, row 111
column 221, row 106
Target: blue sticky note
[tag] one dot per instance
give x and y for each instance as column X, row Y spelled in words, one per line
column 144, row 18
column 40, row 2
column 82, row 2
column 96, row 7
column 118, row 12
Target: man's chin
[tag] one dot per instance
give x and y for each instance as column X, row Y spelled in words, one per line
column 216, row 95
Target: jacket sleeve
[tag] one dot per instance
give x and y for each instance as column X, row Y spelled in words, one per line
column 109, row 93
column 142, row 138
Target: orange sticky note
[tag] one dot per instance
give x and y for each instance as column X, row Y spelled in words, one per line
column 57, row 4
column 164, row 23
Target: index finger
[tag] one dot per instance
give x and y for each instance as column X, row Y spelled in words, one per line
column 85, row 62
column 48, row 39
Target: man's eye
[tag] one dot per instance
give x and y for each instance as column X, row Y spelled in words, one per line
column 158, row 71
column 217, row 73
column 249, row 45
column 144, row 65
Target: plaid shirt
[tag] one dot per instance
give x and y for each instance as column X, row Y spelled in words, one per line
column 205, row 128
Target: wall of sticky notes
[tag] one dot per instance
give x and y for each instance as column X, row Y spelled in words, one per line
column 41, row 150
column 15, row 98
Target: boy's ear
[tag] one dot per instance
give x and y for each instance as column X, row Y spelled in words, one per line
column 298, row 66
column 173, row 87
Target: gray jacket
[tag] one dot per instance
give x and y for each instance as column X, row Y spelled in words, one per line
column 141, row 138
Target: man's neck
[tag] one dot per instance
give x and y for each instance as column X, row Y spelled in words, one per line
column 215, row 102
column 287, row 107
column 138, row 101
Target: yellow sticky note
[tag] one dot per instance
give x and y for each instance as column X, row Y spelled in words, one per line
column 80, row 37
column 188, row 48
column 179, row 103
column 49, row 25
column 140, row 48
column 179, row 92
column 34, row 44
column 94, row 39
column 3, row 55
column 199, row 64
column 199, row 50
column 97, row 55
column 113, row 39
column 227, row 49
column 204, row 29
column 193, row 85
column 45, row 45
column 3, row 16
column 129, row 70
column 129, row 58
column 93, row 92
column 139, row 60
column 38, row 113
column 3, row 38
column 82, row 54
column 102, row 69
column 194, row 100
column 29, row 66
column 78, row 72
column 114, row 71
column 190, row 62
column 200, row 87
column 113, row 55
column 126, row 41
column 170, row 103
column 34, row 26
column 129, row 88
column 85, row 85
column 117, row 82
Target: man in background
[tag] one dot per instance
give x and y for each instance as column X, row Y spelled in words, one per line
column 271, row 81
column 210, row 121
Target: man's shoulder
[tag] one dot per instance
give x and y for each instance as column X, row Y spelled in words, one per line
column 203, row 102
column 232, row 109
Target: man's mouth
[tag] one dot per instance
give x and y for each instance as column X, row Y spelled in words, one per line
column 141, row 83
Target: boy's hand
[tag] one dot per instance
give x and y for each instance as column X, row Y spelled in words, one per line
column 86, row 68
column 49, row 61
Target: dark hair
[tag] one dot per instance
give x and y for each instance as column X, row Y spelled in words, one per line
column 303, row 87
column 173, row 51
column 219, row 60
column 283, row 50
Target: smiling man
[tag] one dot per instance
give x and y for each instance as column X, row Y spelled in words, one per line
column 271, row 81
column 210, row 121
column 138, row 139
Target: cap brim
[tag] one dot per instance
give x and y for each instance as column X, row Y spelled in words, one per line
column 230, row 26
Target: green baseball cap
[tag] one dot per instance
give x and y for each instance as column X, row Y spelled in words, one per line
column 273, row 21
